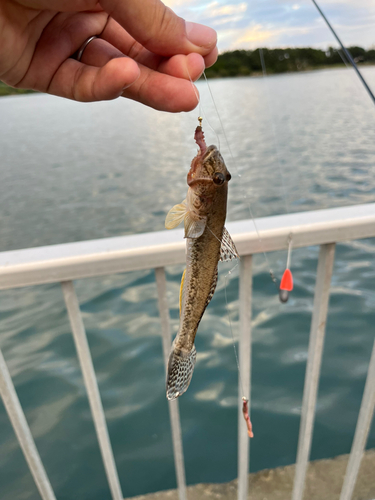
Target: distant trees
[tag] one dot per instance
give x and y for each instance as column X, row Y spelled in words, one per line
column 247, row 62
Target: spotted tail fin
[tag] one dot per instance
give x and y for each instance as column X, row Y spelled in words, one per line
column 180, row 370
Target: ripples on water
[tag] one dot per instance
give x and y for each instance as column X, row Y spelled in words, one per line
column 75, row 171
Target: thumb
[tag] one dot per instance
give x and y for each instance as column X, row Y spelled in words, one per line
column 159, row 29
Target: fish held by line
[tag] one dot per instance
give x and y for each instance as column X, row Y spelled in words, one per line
column 207, row 241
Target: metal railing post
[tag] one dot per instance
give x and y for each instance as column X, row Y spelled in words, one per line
column 317, row 333
column 361, row 432
column 174, row 414
column 23, row 433
column 89, row 377
column 244, row 377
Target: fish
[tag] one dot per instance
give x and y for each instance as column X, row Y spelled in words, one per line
column 207, row 241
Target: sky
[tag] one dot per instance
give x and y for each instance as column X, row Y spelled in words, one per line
column 248, row 24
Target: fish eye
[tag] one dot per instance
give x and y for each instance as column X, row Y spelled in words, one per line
column 228, row 176
column 218, row 178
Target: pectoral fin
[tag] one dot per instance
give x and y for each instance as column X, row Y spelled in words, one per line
column 176, row 215
column 228, row 250
column 194, row 226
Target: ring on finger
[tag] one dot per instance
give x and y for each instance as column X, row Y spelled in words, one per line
column 83, row 46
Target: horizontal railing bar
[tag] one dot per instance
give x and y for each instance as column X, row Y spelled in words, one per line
column 91, row 384
column 23, row 433
column 316, row 343
column 365, row 416
column 71, row 261
column 173, row 406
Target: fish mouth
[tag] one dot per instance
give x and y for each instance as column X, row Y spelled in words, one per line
column 192, row 182
column 197, row 162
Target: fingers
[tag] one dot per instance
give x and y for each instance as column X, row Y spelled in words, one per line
column 80, row 82
column 167, row 89
column 211, row 58
column 99, row 52
column 159, row 29
column 125, row 43
column 63, row 5
column 188, row 67
column 163, row 92
column 104, row 73
column 61, row 38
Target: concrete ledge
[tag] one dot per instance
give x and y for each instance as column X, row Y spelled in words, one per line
column 323, row 482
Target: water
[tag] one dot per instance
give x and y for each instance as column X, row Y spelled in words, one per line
column 73, row 172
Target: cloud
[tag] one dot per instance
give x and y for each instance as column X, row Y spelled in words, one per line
column 178, row 3
column 228, row 10
column 272, row 23
column 252, row 37
column 226, row 20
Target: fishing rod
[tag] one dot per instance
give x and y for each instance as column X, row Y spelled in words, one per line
column 346, row 52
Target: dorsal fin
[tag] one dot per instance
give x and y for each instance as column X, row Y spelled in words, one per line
column 228, row 250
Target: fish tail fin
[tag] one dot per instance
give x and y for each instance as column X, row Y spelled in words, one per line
column 180, row 370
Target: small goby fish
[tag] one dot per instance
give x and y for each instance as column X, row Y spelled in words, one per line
column 207, row 241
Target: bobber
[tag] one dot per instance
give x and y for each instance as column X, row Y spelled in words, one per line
column 286, row 284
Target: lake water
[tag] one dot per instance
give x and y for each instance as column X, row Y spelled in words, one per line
column 72, row 172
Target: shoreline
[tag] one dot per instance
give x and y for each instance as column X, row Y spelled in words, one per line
column 259, row 74
column 6, row 90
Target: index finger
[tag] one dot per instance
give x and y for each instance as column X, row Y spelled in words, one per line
column 159, row 29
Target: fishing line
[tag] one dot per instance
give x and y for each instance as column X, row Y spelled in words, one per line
column 343, row 58
column 286, row 283
column 229, row 320
column 231, row 329
column 228, row 316
column 201, row 110
column 244, row 399
column 234, row 163
column 239, row 175
column 275, row 141
column 346, row 52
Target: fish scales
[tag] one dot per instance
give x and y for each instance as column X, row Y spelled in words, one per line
column 203, row 213
column 202, row 259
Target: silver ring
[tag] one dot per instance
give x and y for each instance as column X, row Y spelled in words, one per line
column 83, row 46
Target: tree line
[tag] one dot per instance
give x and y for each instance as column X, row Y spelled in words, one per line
column 248, row 62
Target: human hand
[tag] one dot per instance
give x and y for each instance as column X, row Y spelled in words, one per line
column 143, row 52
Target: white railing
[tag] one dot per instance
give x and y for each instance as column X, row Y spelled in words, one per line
column 67, row 262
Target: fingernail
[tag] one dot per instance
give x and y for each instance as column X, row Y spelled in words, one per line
column 200, row 35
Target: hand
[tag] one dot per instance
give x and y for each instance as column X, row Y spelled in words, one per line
column 143, row 51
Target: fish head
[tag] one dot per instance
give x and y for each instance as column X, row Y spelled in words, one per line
column 207, row 180
column 208, row 172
